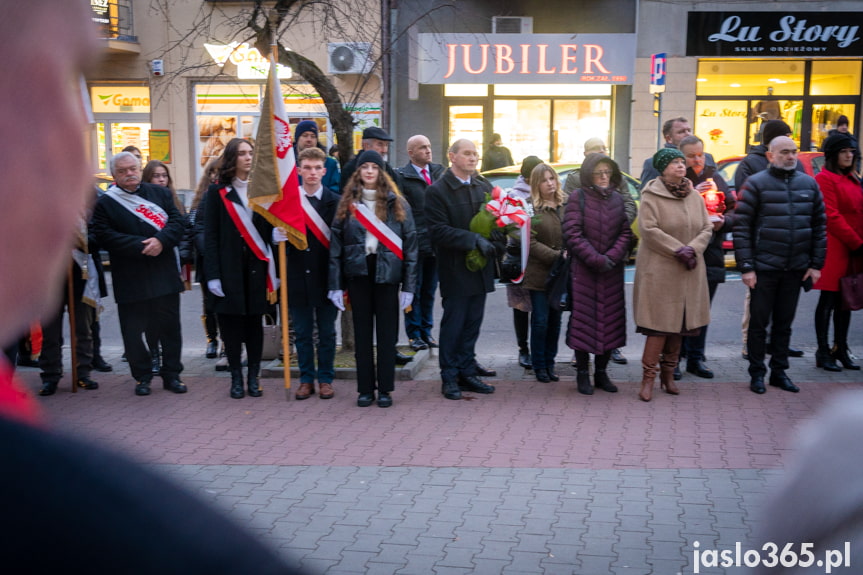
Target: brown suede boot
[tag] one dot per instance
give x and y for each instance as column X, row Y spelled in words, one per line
column 650, row 365
column 670, row 357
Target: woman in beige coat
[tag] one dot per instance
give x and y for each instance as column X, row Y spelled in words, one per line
column 670, row 296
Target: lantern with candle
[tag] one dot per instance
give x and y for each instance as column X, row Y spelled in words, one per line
column 713, row 201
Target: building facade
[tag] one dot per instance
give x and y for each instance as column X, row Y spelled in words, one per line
column 725, row 68
column 180, row 79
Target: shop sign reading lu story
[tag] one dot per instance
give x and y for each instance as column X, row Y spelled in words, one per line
column 773, row 34
column 526, row 58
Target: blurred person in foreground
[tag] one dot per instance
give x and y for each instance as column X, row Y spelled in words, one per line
column 135, row 521
column 670, row 297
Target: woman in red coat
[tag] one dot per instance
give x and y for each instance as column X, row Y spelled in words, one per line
column 843, row 202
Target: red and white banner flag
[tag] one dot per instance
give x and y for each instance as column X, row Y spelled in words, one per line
column 274, row 189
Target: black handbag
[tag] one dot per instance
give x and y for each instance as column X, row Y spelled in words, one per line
column 557, row 285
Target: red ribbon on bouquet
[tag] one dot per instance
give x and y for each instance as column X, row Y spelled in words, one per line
column 510, row 211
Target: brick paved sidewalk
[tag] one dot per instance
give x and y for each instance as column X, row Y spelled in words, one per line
column 535, row 478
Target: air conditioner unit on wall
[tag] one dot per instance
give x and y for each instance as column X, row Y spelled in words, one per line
column 349, row 57
column 512, row 24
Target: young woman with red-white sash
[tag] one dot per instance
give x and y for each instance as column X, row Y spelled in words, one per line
column 373, row 256
column 238, row 264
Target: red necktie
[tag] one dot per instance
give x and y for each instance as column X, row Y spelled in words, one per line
column 425, row 174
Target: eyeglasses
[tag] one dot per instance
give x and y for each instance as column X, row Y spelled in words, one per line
column 602, row 174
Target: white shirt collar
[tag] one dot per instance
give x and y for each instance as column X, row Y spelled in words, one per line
column 420, row 170
column 319, row 193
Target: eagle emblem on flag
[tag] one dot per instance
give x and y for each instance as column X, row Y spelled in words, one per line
column 283, row 136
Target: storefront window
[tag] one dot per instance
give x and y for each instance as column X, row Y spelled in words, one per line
column 722, row 125
column 575, row 122
column 835, row 78
column 465, row 90
column 523, row 126
column 824, row 118
column 466, row 122
column 750, row 78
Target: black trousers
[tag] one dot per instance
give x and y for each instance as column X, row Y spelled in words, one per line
column 375, row 309
column 51, row 359
column 237, row 330
column 774, row 300
column 459, row 331
column 160, row 315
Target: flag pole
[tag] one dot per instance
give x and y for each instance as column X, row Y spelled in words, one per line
column 283, row 257
column 73, row 339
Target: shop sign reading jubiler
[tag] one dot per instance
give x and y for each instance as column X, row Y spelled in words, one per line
column 527, row 58
column 774, row 34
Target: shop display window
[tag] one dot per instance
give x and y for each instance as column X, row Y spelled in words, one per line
column 750, row 78
column 835, row 78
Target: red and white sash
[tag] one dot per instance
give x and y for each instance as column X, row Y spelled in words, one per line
column 378, row 229
column 242, row 218
column 144, row 210
column 314, row 222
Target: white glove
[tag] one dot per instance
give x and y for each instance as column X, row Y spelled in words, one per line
column 337, row 296
column 279, row 235
column 215, row 287
column 405, row 299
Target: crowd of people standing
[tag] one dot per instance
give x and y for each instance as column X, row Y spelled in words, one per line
column 382, row 240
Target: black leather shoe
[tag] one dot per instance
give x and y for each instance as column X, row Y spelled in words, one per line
column 402, row 359
column 174, row 385
column 431, row 341
column 698, row 368
column 142, row 388
column 212, row 349
column 782, row 381
column 87, row 383
column 418, row 344
column 99, row 364
column 157, row 364
column 552, row 375
column 475, row 384
column 483, row 371
column 678, row 375
column 794, row 352
column 48, row 388
column 365, row 399
column 756, row 385
column 542, row 375
column 617, row 357
column 450, row 390
column 524, row 359
column 384, row 399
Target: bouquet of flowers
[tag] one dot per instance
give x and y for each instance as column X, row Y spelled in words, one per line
column 499, row 212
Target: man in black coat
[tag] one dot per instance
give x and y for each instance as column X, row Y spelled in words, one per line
column 414, row 181
column 376, row 139
column 451, row 203
column 673, row 130
column 780, row 240
column 307, row 282
column 140, row 226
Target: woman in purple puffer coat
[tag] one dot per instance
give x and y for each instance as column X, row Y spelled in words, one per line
column 597, row 235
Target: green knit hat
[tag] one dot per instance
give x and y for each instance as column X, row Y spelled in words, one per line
column 663, row 157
